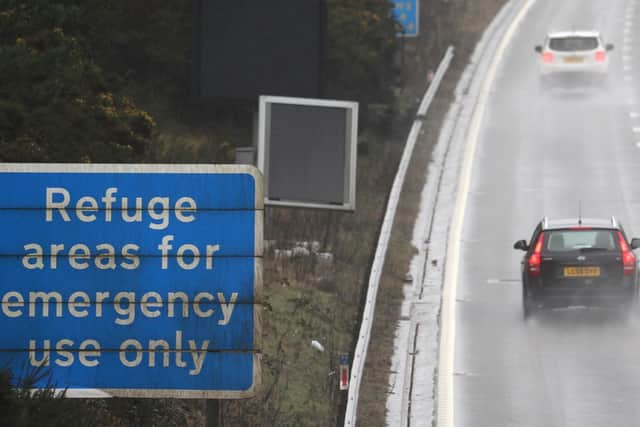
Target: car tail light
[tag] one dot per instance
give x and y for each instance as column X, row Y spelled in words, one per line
column 601, row 56
column 547, row 57
column 535, row 260
column 628, row 258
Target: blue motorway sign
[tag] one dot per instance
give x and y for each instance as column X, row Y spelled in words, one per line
column 407, row 14
column 132, row 280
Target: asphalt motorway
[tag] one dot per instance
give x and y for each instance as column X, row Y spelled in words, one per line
column 549, row 153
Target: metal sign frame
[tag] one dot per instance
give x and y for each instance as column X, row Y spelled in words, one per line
column 60, row 172
column 350, row 149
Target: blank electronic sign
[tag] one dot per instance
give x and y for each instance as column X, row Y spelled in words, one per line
column 307, row 152
column 249, row 48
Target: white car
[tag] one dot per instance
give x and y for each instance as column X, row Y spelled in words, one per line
column 573, row 57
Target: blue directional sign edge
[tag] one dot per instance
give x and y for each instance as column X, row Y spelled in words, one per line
column 258, row 279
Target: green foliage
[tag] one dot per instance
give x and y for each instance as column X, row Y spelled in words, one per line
column 66, row 66
column 362, row 46
column 19, row 406
column 55, row 105
column 200, row 148
column 146, row 43
column 299, row 382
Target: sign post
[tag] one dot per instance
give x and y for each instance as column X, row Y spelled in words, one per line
column 133, row 280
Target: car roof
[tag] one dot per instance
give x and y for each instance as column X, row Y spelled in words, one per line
column 581, row 33
column 555, row 224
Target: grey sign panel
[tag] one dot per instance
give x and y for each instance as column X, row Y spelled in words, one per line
column 307, row 152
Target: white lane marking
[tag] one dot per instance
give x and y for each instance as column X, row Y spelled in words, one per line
column 636, row 129
column 445, row 400
column 626, row 48
column 628, row 78
column 634, row 115
column 638, row 144
column 494, row 281
column 626, row 58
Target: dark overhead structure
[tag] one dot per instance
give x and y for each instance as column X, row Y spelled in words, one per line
column 248, row 48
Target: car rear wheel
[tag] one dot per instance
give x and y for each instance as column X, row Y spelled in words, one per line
column 631, row 304
column 529, row 304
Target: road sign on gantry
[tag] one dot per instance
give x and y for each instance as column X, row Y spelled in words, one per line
column 132, row 280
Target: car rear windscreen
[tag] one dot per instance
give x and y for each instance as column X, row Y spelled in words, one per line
column 579, row 240
column 568, row 44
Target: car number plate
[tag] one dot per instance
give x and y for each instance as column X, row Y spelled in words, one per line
column 581, row 271
column 573, row 59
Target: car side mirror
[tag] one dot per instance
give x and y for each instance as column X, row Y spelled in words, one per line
column 609, row 47
column 522, row 245
column 538, row 49
column 635, row 243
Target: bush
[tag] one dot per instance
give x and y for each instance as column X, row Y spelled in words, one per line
column 56, row 106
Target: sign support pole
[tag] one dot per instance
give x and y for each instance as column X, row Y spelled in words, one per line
column 213, row 418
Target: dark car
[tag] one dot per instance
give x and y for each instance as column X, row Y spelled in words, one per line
column 578, row 261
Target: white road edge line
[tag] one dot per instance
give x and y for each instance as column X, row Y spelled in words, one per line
column 448, row 317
